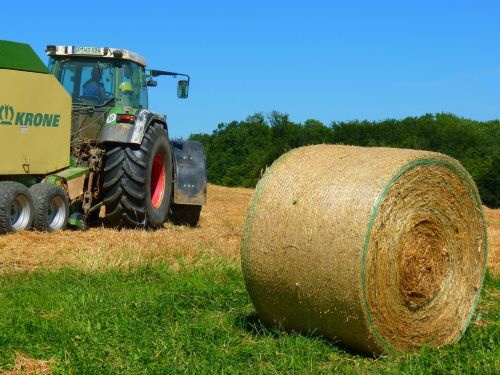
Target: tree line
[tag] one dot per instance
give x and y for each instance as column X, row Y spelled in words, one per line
column 238, row 151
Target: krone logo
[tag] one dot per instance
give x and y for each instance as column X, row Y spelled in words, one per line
column 6, row 114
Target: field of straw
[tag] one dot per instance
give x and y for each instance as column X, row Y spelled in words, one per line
column 219, row 234
column 493, row 220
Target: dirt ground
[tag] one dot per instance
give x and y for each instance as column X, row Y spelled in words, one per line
column 219, row 233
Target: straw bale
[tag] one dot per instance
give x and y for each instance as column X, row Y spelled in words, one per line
column 383, row 249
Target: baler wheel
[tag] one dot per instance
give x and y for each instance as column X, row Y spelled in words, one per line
column 16, row 207
column 51, row 207
column 137, row 184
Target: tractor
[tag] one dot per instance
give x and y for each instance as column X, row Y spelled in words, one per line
column 78, row 143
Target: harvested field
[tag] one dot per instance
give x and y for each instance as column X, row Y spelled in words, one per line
column 219, row 234
column 190, row 314
column 493, row 220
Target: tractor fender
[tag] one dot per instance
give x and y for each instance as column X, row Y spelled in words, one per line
column 131, row 133
column 190, row 173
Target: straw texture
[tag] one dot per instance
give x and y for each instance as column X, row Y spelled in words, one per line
column 382, row 249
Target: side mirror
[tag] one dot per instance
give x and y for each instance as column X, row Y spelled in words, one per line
column 182, row 89
column 152, row 83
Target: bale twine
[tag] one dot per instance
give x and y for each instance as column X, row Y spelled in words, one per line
column 382, row 249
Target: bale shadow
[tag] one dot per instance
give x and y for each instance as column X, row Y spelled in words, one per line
column 252, row 324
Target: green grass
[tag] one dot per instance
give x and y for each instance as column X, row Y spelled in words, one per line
column 198, row 320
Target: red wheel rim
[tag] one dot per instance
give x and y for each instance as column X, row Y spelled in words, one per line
column 157, row 180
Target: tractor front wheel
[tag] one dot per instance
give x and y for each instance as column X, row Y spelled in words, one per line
column 137, row 182
column 16, row 207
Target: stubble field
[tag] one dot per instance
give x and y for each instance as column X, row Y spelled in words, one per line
column 174, row 300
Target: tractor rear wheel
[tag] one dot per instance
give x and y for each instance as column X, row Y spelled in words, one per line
column 51, row 207
column 137, row 183
column 184, row 214
column 16, row 207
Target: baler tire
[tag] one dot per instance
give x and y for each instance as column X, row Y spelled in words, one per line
column 185, row 214
column 128, row 195
column 51, row 207
column 16, row 207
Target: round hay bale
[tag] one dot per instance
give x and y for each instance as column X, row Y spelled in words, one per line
column 381, row 249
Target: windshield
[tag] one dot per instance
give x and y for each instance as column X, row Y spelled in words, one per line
column 92, row 81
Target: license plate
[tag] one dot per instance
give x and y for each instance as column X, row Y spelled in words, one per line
column 88, row 51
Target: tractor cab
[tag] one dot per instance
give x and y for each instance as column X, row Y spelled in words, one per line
column 100, row 76
column 108, row 87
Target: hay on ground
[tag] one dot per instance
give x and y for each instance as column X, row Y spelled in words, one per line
column 218, row 234
column 493, row 221
column 24, row 365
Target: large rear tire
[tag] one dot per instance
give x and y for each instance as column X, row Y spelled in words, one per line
column 137, row 183
column 51, row 207
column 16, row 207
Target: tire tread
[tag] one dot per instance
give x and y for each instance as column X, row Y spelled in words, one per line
column 124, row 179
column 8, row 191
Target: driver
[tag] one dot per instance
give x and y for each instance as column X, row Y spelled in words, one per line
column 94, row 86
column 126, row 93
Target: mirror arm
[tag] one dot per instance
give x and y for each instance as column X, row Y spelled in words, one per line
column 156, row 73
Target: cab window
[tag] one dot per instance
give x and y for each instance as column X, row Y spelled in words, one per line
column 131, row 85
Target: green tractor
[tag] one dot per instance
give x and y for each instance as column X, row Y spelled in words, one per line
column 113, row 159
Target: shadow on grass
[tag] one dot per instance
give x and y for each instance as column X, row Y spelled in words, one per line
column 252, row 324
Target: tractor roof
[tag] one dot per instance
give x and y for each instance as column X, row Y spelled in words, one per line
column 106, row 52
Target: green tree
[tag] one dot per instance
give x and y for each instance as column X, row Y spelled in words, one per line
column 238, row 151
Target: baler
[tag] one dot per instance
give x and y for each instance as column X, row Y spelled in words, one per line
column 78, row 143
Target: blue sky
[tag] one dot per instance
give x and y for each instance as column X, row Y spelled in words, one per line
column 327, row 60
